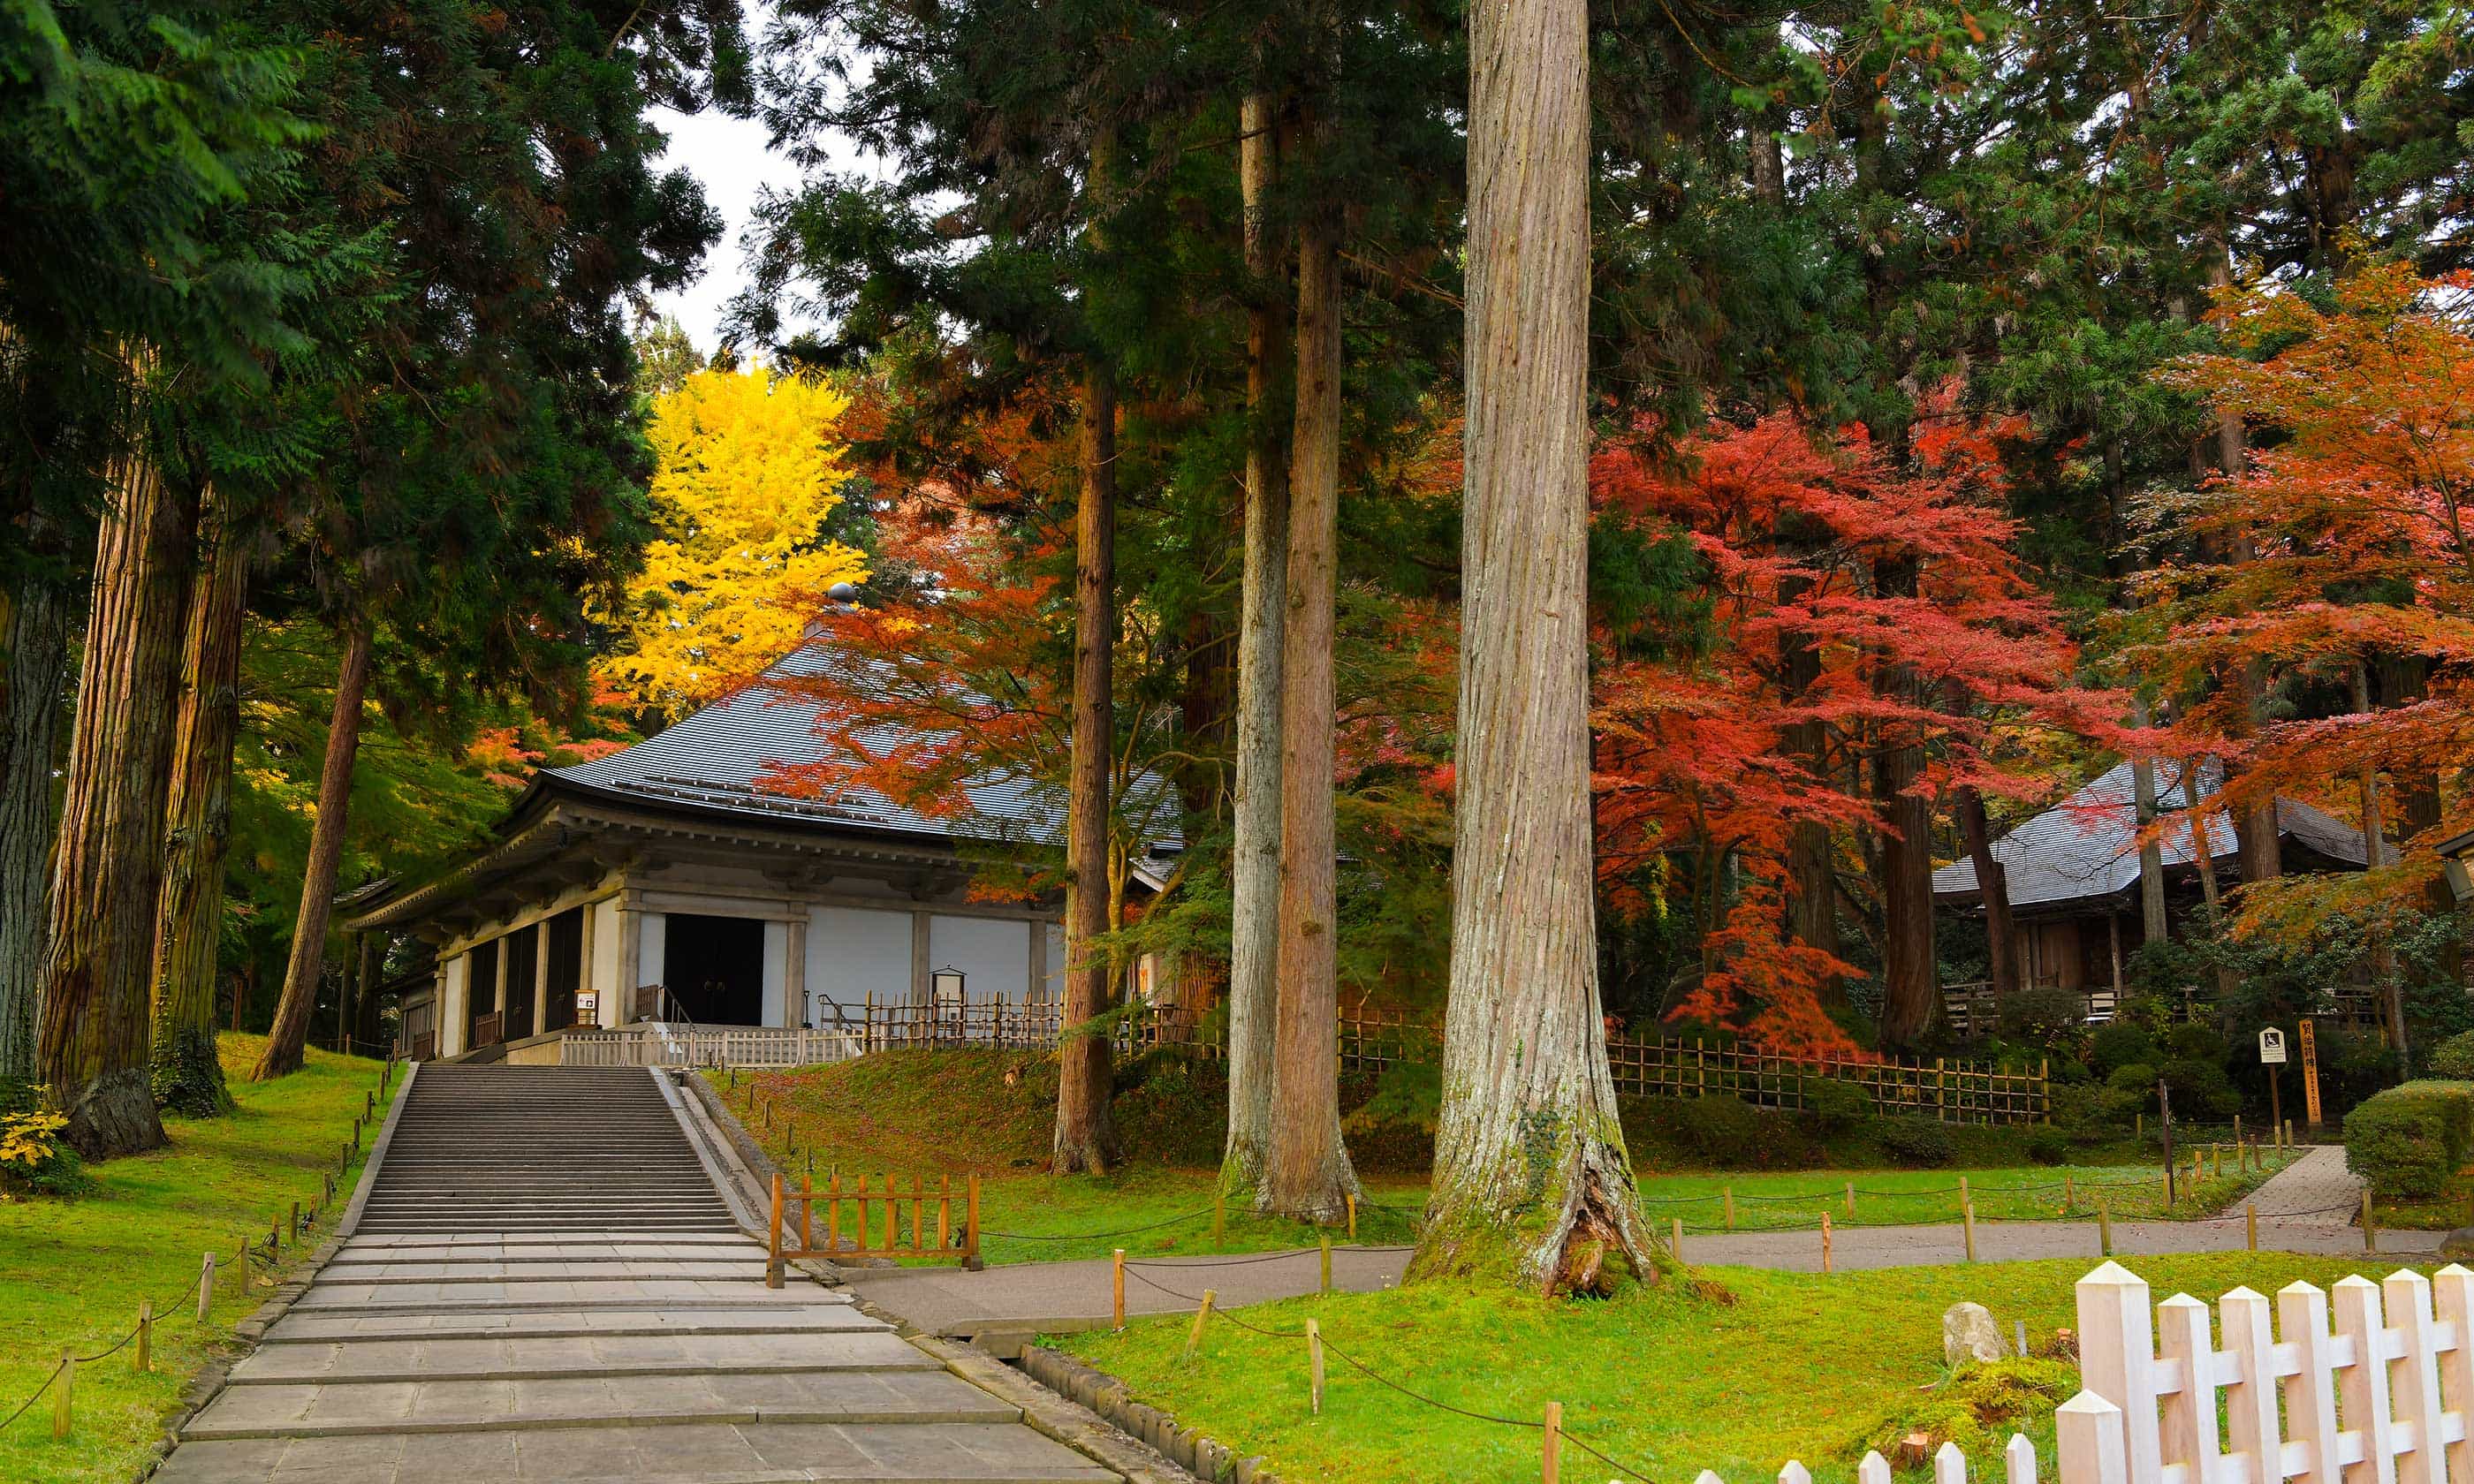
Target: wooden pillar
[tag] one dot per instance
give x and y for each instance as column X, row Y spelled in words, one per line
column 631, row 954
column 541, row 976
column 919, row 967
column 794, row 969
column 588, row 930
column 2113, row 937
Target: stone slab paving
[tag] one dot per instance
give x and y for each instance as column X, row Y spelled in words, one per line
column 2317, row 1186
column 521, row 1351
column 688, row 1453
column 536, row 1357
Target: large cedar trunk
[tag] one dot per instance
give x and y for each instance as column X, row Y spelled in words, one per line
column 1531, row 1185
column 188, row 1077
column 290, row 1033
column 2203, row 851
column 1254, row 930
column 37, row 661
column 1910, row 993
column 1086, row 1138
column 1993, row 885
column 368, row 1028
column 98, row 966
column 1308, row 1173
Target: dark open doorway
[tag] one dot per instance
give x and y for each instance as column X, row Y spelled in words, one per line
column 715, row 969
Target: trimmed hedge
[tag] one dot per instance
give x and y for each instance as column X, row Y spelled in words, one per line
column 2412, row 1139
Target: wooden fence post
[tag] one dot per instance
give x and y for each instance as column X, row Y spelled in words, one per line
column 2103, row 1227
column 145, row 1360
column 61, row 1399
column 2250, row 1225
column 774, row 1239
column 1967, row 1220
column 1679, row 1238
column 1314, row 1364
column 1553, row 1462
column 1201, row 1314
column 1117, row 1286
column 2088, row 1437
column 1824, row 1241
column 1731, row 1208
column 971, row 1231
column 1352, row 1215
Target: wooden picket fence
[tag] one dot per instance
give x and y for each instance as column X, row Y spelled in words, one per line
column 875, row 1228
column 2360, row 1383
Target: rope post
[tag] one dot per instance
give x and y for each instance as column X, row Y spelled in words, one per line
column 61, row 1398
column 240, row 1265
column 1551, row 1466
column 1679, row 1238
column 2370, row 1233
column 2070, row 1193
column 1352, row 1216
column 1731, row 1208
column 296, row 1223
column 1967, row 1221
column 205, row 1287
column 1117, row 1286
column 971, row 1228
column 2250, row 1224
column 145, row 1360
column 1824, row 1241
column 1850, row 1199
column 1201, row 1313
column 774, row 1239
column 2104, row 1228
column 1314, row 1364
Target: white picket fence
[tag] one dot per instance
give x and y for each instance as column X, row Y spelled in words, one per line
column 659, row 1043
column 2364, row 1383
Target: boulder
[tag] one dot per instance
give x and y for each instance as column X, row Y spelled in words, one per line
column 1968, row 1332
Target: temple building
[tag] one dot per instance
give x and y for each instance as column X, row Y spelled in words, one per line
column 666, row 883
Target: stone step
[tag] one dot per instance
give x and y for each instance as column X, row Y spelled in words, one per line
column 359, row 1408
column 750, row 1270
column 701, row 1453
column 572, row 1294
column 825, row 1315
column 545, row 1357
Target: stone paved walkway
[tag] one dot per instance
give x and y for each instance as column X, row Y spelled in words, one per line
column 425, row 1354
column 2317, row 1185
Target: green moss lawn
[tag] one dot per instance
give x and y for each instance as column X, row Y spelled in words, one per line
column 959, row 1114
column 72, row 1273
column 1734, row 1369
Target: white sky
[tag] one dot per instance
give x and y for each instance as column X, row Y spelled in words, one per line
column 729, row 157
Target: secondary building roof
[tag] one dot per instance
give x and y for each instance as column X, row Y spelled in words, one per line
column 2086, row 847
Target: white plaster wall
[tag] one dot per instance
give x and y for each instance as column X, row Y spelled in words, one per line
column 993, row 954
column 777, row 974
column 1054, row 988
column 601, row 975
column 854, row 952
column 453, row 1005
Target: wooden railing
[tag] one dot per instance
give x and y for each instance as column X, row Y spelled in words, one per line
column 957, row 1243
column 658, row 1044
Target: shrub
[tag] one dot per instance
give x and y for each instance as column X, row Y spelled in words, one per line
column 1836, row 1106
column 2413, row 1138
column 2201, row 1089
column 33, row 1157
column 2453, row 1058
column 2049, row 1145
column 1721, row 1130
column 2118, row 1046
column 1919, row 1143
column 2043, row 1016
column 2196, row 1044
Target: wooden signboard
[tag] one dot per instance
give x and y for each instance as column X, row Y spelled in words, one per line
column 2310, row 1074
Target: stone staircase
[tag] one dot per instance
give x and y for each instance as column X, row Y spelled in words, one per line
column 493, row 1147
column 496, row 1319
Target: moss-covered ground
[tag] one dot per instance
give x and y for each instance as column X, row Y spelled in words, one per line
column 1730, row 1368
column 73, row 1272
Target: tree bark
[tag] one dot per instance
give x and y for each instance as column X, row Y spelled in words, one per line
column 290, row 1032
column 1993, row 884
column 2153, row 925
column 1254, row 927
column 1532, row 1184
column 2203, row 847
column 1910, row 989
column 2374, row 845
column 367, row 1025
column 1308, row 1174
column 1086, row 1136
column 37, row 664
column 187, row 1075
column 91, row 1051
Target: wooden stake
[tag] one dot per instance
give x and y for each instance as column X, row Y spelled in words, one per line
column 240, row 1266
column 1731, row 1208
column 294, row 1230
column 207, row 1288
column 1850, row 1199
column 1824, row 1241
column 2250, row 1224
column 1967, row 1219
column 1552, row 1465
column 774, row 1239
column 145, row 1360
column 1201, row 1313
column 1326, row 1262
column 1117, row 1285
column 2104, row 1228
column 1314, row 1363
column 61, row 1398
column 1352, row 1216
column 971, row 1233
column 1679, row 1238
column 2070, row 1193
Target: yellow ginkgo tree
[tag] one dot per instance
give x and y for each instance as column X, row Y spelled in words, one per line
column 749, row 469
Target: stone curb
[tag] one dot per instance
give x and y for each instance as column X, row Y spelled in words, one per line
column 1110, row 1398
column 1152, row 1456
column 753, row 1170
column 349, row 1222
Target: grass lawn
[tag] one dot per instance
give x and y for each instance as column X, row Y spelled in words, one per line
column 1736, row 1369
column 963, row 1113
column 73, row 1273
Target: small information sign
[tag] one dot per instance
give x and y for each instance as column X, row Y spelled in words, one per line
column 2272, row 1047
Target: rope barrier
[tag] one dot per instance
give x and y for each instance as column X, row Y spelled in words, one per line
column 1092, row 1237
column 57, row 1367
